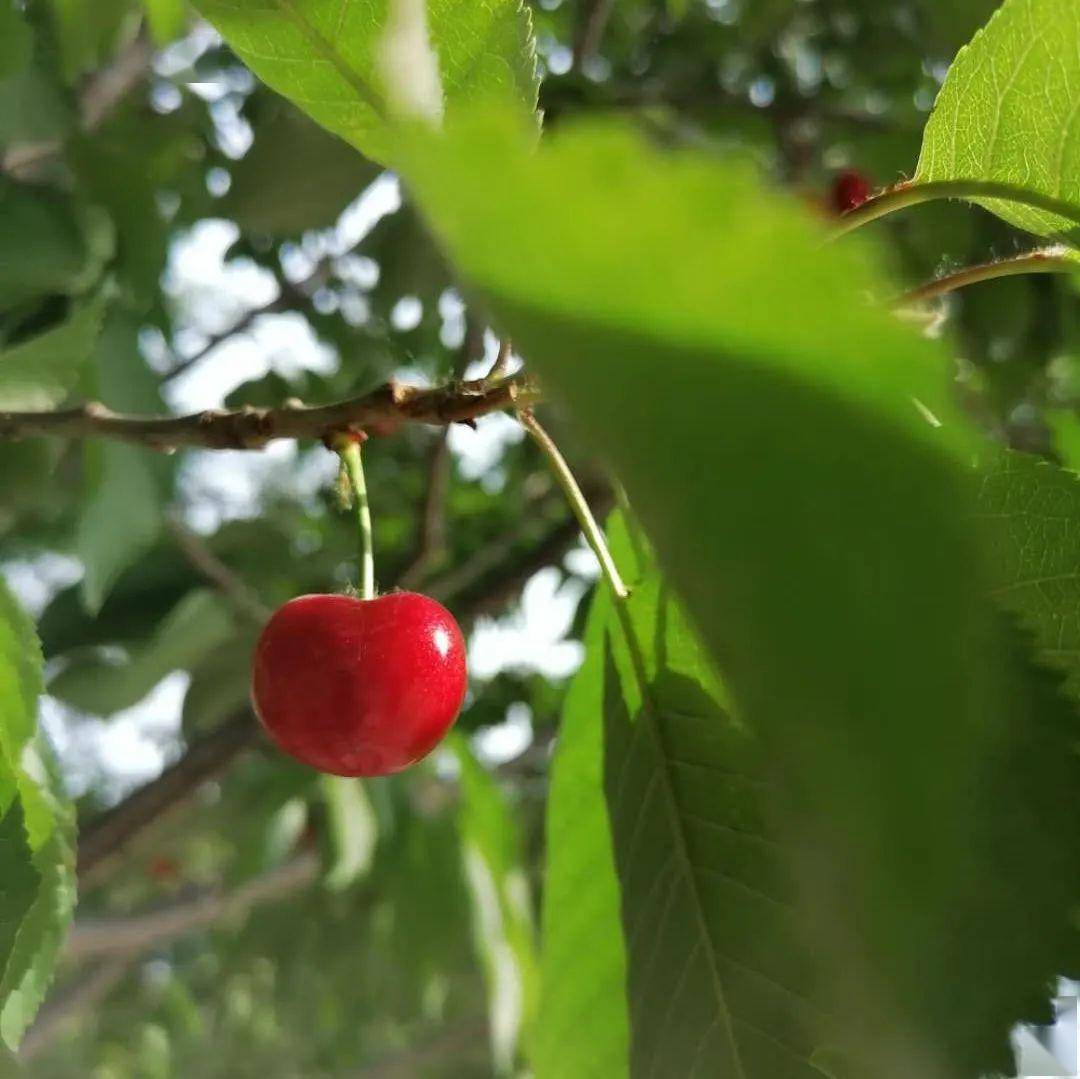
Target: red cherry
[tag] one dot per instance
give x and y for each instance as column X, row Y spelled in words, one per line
column 359, row 687
column 850, row 188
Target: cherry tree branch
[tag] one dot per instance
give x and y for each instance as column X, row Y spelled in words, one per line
column 135, row 933
column 206, row 757
column 252, row 428
column 240, row 595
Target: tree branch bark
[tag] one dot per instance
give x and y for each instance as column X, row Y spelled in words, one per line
column 131, row 935
column 384, row 409
column 207, row 756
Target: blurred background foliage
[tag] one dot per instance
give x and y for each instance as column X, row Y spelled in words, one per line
column 213, row 246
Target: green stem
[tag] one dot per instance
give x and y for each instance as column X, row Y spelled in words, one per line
column 1043, row 260
column 915, row 192
column 349, row 452
column 593, row 534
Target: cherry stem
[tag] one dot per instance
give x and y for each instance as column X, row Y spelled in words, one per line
column 1041, row 260
column 348, row 449
column 594, row 535
column 915, row 192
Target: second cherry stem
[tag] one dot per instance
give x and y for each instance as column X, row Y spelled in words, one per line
column 593, row 533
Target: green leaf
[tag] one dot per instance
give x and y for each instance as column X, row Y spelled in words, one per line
column 1028, row 508
column 32, row 106
column 272, row 190
column 193, row 629
column 50, row 245
column 89, row 31
column 762, row 416
column 322, row 55
column 1007, row 112
column 39, row 373
column 36, row 835
column 166, row 19
column 16, row 40
column 502, row 914
column 353, row 830
column 583, row 960
column 120, row 518
column 1065, row 426
column 123, row 494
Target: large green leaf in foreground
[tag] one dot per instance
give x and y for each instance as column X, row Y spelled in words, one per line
column 583, row 960
column 323, row 55
column 1008, row 112
column 762, row 416
column 37, row 873
column 1029, row 509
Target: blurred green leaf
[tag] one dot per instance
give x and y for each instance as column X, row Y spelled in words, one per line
column 1006, row 110
column 37, row 829
column 502, row 913
column 353, row 830
column 195, row 627
column 120, row 518
column 50, row 244
column 781, row 407
column 123, row 494
column 167, row 19
column 37, row 374
column 90, row 31
column 1029, row 508
column 1065, row 427
column 33, row 105
column 583, row 960
column 16, row 40
column 296, row 176
column 220, row 683
column 322, row 55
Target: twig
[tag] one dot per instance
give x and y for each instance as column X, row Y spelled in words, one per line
column 207, row 756
column 244, row 322
column 251, row 428
column 241, row 596
column 1044, row 260
column 431, row 529
column 67, row 1006
column 431, row 534
column 591, row 30
column 916, row 192
column 101, row 94
column 437, row 1051
column 502, row 362
column 131, row 935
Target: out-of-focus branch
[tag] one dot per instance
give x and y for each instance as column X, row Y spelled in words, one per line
column 441, row 1046
column 120, row 941
column 252, row 428
column 206, row 757
column 67, row 1006
column 591, row 26
column 431, row 532
column 241, row 325
column 134, row 934
column 100, row 95
column 240, row 595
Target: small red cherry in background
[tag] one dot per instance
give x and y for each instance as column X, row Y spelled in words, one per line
column 850, row 188
column 359, row 687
